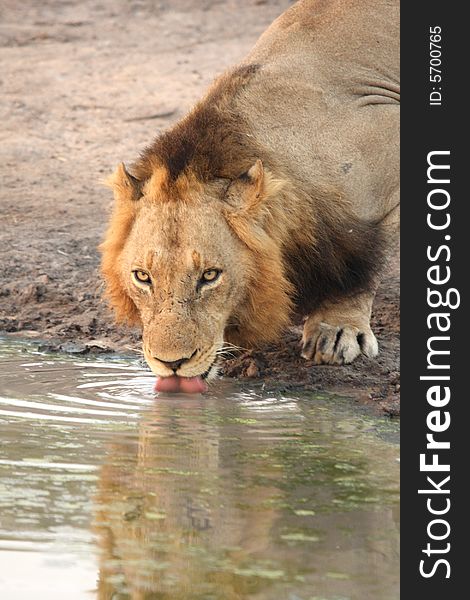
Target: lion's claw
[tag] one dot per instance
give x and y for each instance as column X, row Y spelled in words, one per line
column 333, row 345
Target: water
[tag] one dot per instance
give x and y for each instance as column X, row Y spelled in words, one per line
column 108, row 492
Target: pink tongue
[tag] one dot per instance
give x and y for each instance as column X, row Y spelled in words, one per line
column 187, row 385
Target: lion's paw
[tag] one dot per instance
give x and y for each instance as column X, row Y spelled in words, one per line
column 337, row 345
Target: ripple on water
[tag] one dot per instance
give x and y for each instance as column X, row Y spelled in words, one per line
column 110, row 491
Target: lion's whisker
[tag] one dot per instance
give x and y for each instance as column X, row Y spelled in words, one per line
column 234, row 347
column 136, row 350
column 225, row 352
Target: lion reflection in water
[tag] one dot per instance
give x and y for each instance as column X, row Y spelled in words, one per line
column 202, row 506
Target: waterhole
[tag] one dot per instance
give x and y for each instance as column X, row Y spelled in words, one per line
column 110, row 492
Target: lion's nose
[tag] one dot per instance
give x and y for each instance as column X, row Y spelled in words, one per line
column 174, row 365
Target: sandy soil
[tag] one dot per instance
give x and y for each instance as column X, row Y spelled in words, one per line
column 84, row 85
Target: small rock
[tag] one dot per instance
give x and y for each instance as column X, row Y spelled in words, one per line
column 73, row 348
column 252, row 370
column 98, row 346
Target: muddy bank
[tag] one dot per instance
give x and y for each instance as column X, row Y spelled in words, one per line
column 84, row 86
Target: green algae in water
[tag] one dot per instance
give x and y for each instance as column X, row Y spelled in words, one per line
column 299, row 537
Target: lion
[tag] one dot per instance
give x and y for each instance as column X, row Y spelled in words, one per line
column 277, row 195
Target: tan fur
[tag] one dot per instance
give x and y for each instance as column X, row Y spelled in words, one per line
column 282, row 177
column 116, row 235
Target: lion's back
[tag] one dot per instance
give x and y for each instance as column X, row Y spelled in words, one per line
column 326, row 98
column 333, row 40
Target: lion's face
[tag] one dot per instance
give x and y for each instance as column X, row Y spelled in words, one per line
column 195, row 265
column 185, row 271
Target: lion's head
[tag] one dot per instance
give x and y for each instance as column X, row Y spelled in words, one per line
column 196, row 264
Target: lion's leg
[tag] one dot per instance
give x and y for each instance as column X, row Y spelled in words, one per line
column 339, row 332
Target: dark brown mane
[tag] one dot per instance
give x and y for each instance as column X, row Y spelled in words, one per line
column 211, row 141
column 345, row 260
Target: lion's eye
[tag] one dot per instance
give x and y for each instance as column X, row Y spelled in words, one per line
column 142, row 276
column 210, row 275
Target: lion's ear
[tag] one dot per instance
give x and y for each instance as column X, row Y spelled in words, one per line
column 125, row 186
column 246, row 193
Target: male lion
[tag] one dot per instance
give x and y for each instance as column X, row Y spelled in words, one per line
column 277, row 193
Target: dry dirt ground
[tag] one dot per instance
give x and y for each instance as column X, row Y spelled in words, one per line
column 84, row 85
